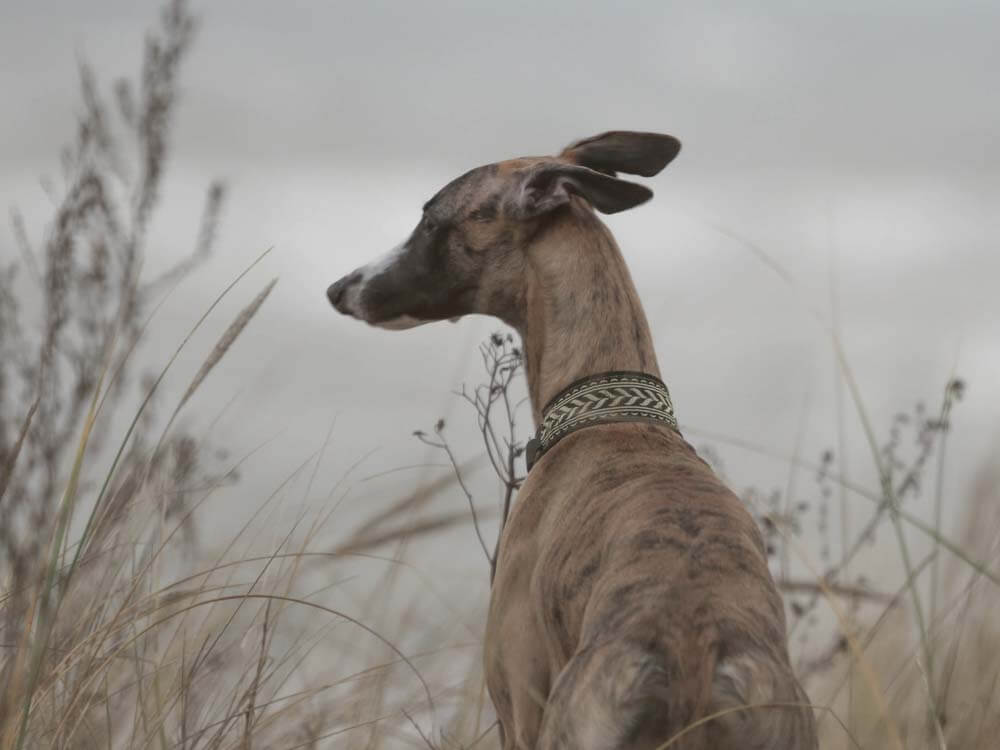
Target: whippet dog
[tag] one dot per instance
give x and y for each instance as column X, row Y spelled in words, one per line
column 632, row 595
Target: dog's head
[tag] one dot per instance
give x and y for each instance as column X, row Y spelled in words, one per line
column 467, row 252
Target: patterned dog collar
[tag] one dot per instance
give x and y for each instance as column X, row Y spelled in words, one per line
column 597, row 399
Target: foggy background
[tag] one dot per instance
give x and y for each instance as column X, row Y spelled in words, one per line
column 856, row 143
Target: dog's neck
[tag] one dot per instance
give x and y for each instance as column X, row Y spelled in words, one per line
column 583, row 315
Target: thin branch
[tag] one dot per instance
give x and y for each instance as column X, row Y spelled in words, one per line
column 461, row 483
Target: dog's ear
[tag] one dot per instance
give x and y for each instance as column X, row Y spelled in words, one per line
column 552, row 185
column 643, row 154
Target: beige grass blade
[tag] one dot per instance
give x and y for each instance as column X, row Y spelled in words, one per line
column 227, row 339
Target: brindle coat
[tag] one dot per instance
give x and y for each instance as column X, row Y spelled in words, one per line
column 632, row 595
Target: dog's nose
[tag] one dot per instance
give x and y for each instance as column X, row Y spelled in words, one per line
column 336, row 291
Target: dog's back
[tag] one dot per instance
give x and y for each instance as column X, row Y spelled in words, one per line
column 653, row 601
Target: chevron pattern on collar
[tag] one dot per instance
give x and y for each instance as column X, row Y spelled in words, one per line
column 608, row 397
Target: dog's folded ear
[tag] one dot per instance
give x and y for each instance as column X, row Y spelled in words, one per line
column 616, row 151
column 552, row 185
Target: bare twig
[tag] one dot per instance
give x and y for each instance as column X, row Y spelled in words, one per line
column 502, row 361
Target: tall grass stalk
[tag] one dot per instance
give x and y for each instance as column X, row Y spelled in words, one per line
column 47, row 610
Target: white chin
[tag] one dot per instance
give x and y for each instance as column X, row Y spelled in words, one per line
column 401, row 323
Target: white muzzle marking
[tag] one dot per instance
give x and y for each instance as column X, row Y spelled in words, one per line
column 352, row 297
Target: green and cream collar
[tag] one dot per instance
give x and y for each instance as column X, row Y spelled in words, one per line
column 599, row 399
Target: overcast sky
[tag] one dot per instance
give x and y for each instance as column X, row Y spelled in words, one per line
column 858, row 143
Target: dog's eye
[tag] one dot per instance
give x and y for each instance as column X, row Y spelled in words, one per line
column 429, row 224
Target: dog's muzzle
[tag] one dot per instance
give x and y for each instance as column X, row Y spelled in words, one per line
column 343, row 294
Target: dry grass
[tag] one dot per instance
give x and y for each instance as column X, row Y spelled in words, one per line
column 125, row 624
column 134, row 632
column 964, row 639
